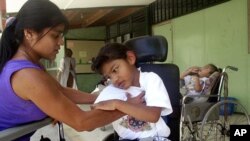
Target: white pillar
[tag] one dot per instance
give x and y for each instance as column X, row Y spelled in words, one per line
column 1, row 22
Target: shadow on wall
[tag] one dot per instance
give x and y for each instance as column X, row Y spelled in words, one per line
column 87, row 81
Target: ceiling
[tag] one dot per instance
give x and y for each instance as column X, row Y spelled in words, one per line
column 88, row 13
column 97, row 16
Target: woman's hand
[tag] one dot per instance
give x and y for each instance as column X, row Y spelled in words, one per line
column 106, row 105
column 112, row 104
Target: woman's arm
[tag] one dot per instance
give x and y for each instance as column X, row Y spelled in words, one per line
column 40, row 88
column 138, row 111
column 79, row 97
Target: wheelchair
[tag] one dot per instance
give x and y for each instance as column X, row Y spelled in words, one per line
column 151, row 49
column 211, row 119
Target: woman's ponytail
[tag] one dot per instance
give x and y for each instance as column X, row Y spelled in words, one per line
column 8, row 42
column 35, row 15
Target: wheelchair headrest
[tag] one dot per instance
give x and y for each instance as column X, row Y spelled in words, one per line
column 149, row 48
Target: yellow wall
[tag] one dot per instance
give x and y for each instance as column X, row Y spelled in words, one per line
column 83, row 51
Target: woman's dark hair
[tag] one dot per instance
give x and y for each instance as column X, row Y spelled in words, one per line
column 34, row 14
column 109, row 52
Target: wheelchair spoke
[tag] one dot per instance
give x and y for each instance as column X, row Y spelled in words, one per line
column 219, row 129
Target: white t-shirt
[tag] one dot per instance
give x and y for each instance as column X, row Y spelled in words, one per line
column 189, row 84
column 156, row 95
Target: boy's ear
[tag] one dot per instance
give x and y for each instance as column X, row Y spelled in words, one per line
column 131, row 58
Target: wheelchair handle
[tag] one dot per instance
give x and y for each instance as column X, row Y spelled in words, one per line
column 232, row 68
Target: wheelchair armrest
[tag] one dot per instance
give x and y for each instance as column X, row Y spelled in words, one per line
column 184, row 98
column 182, row 83
column 19, row 131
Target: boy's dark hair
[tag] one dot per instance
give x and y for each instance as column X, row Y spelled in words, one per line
column 109, row 52
column 213, row 68
column 34, row 14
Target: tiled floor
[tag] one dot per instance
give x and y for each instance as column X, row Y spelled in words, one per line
column 50, row 132
column 95, row 135
column 71, row 134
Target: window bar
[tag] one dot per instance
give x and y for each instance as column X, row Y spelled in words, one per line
column 164, row 9
column 181, row 8
column 175, row 10
column 191, row 5
column 171, row 9
column 157, row 12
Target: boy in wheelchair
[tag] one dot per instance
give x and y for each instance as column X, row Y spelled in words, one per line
column 198, row 81
column 143, row 121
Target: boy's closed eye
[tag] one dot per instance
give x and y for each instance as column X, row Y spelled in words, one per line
column 115, row 69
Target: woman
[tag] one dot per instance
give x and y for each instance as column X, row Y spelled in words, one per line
column 27, row 92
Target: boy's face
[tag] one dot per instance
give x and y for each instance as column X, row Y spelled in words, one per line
column 205, row 71
column 121, row 72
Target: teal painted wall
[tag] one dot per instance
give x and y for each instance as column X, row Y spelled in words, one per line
column 92, row 33
column 87, row 81
column 214, row 35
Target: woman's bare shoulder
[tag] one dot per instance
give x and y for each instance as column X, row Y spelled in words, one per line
column 31, row 80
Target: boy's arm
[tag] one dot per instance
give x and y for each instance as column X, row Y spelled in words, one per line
column 197, row 84
column 193, row 69
column 139, row 111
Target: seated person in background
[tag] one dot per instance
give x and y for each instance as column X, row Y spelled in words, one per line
column 117, row 63
column 196, row 80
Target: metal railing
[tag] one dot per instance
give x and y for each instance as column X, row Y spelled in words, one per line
column 19, row 131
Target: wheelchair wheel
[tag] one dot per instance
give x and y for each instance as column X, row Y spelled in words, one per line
column 191, row 117
column 216, row 123
column 189, row 132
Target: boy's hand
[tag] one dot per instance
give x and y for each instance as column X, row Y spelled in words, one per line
column 136, row 100
column 105, row 105
column 193, row 70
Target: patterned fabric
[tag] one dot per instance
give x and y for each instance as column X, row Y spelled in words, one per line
column 189, row 85
column 212, row 81
column 208, row 84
